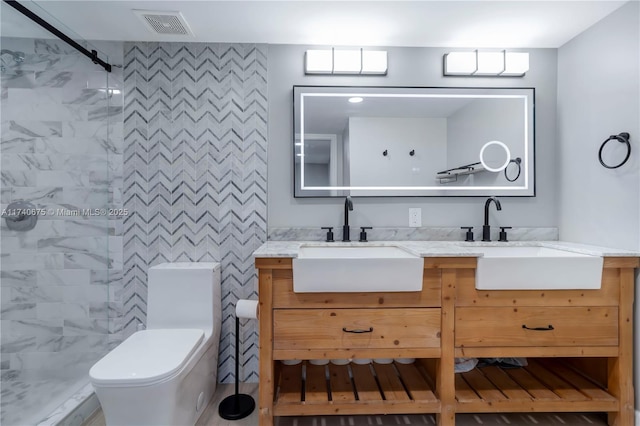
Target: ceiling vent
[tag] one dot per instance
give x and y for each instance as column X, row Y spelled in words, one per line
column 164, row 22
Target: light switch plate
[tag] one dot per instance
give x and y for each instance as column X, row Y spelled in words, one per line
column 415, row 217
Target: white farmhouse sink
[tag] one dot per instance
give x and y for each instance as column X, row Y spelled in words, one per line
column 349, row 269
column 536, row 268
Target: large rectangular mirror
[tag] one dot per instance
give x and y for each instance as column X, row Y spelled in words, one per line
column 413, row 141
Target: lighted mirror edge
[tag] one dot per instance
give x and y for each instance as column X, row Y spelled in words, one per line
column 403, row 188
column 411, row 95
column 409, row 188
column 438, row 190
column 301, row 142
column 525, row 166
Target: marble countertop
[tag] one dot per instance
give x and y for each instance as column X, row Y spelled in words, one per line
column 440, row 248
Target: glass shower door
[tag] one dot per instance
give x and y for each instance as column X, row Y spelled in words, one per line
column 59, row 246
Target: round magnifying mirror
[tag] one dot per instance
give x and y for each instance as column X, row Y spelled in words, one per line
column 495, row 156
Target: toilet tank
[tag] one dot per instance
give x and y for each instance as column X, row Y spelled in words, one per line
column 184, row 295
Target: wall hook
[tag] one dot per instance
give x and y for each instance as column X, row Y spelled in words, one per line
column 412, row 152
column 384, row 152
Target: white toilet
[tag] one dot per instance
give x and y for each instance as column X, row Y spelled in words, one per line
column 166, row 374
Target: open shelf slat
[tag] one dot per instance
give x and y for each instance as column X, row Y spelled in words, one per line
column 531, row 384
column 464, row 393
column 365, row 383
column 482, row 386
column 375, row 389
column 341, row 388
column 290, row 384
column 506, row 384
column 418, row 388
column 587, row 387
column 316, row 384
column 390, row 384
column 559, row 386
column 544, row 385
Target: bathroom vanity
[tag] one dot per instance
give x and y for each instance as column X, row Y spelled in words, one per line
column 578, row 342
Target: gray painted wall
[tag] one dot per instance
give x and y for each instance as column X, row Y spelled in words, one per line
column 598, row 90
column 408, row 66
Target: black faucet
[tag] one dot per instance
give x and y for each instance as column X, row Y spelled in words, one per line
column 348, row 205
column 486, row 229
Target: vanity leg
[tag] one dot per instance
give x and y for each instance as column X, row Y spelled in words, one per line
column 266, row 381
column 445, row 366
column 621, row 368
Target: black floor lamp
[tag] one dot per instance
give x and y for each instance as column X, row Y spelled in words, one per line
column 238, row 406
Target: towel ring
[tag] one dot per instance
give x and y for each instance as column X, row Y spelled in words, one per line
column 622, row 138
column 518, row 162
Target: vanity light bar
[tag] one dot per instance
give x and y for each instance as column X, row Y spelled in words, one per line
column 490, row 63
column 345, row 61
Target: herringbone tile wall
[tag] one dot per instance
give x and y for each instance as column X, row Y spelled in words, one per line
column 195, row 170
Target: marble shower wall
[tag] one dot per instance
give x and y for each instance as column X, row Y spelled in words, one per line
column 61, row 149
column 195, row 162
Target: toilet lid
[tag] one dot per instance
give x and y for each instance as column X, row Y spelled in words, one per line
column 146, row 357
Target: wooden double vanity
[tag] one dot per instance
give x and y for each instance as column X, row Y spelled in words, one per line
column 578, row 345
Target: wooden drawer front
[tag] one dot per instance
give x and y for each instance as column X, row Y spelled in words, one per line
column 607, row 295
column 285, row 297
column 323, row 328
column 572, row 326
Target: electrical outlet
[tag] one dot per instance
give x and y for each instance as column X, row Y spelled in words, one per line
column 415, row 217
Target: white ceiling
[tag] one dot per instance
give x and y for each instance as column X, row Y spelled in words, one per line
column 478, row 23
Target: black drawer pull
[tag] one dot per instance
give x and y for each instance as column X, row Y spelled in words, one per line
column 357, row 331
column 538, row 328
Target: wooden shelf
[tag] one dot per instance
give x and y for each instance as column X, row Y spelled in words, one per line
column 306, row 389
column 545, row 385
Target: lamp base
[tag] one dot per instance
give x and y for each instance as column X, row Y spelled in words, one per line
column 236, row 407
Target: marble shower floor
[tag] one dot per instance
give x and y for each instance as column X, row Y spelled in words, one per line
column 29, row 402
column 210, row 417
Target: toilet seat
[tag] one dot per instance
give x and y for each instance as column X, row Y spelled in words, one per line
column 146, row 357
